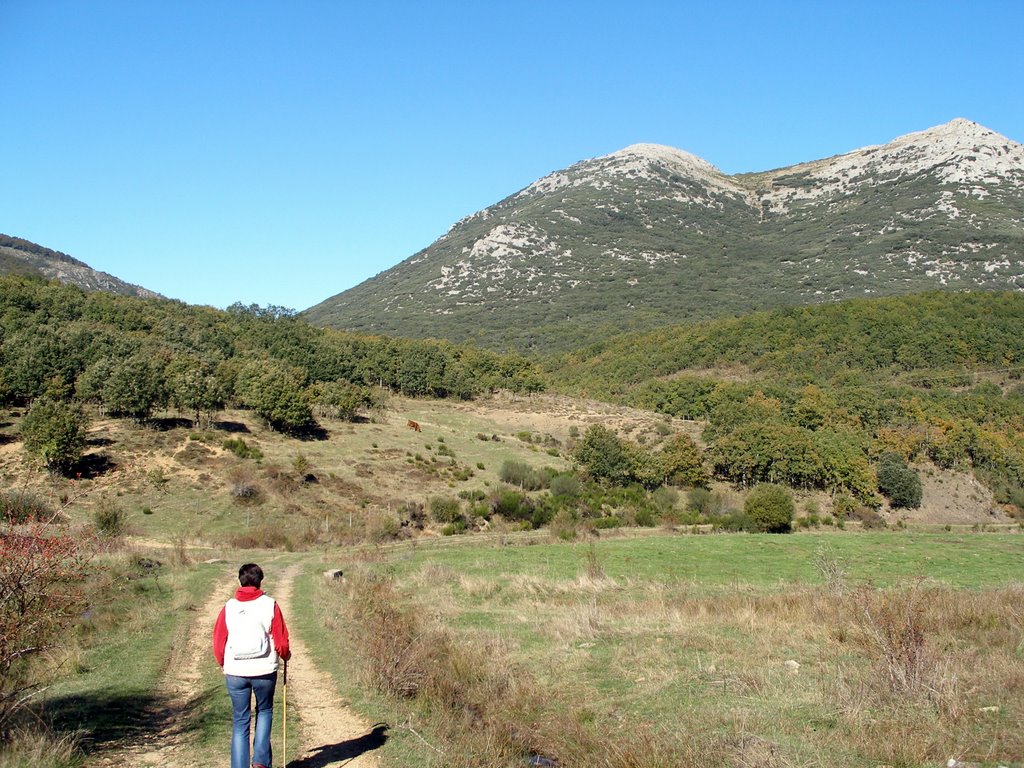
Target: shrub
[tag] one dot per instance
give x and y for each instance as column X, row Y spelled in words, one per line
column 453, row 529
column 411, row 513
column 511, row 505
column 521, row 474
column 20, row 507
column 735, row 521
column 699, row 500
column 109, row 519
column 41, row 578
column 242, row 450
column 844, row 506
column 54, row 431
column 898, row 482
column 664, row 498
column 246, row 493
column 645, row 518
column 565, row 486
column 770, row 507
column 300, row 464
column 446, row 510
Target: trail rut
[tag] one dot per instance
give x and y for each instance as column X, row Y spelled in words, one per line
column 323, row 732
column 332, row 734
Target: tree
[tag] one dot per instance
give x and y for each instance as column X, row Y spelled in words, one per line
column 340, row 399
column 136, row 386
column 276, row 393
column 770, row 507
column 195, row 387
column 898, row 482
column 682, row 462
column 603, row 455
column 54, row 431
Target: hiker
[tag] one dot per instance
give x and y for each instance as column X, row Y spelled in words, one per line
column 248, row 639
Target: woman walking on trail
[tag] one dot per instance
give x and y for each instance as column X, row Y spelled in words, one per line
column 248, row 639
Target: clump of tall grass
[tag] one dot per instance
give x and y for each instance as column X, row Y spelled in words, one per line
column 20, row 507
column 34, row 748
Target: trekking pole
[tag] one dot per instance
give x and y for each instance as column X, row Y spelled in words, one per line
column 284, row 719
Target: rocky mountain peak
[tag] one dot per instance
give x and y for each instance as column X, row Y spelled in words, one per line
column 651, row 235
column 967, row 158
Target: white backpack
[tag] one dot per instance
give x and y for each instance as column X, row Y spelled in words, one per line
column 249, row 638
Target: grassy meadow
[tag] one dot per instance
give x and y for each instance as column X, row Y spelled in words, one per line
column 636, row 647
column 908, row 647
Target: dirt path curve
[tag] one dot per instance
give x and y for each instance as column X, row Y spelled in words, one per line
column 166, row 740
column 332, row 735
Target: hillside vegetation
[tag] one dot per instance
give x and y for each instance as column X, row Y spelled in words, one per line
column 653, row 236
column 814, row 396
column 23, row 257
column 132, row 357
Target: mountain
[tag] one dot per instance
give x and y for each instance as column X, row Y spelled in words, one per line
column 21, row 257
column 652, row 236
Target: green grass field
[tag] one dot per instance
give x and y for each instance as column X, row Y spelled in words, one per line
column 692, row 634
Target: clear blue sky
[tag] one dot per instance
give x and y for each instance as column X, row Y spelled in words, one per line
column 283, row 152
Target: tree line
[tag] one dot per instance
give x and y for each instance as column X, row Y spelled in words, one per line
column 818, row 397
column 133, row 357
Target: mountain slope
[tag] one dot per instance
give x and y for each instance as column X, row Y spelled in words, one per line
column 651, row 236
column 22, row 257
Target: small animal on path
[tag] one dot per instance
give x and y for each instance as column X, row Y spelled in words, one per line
column 413, row 425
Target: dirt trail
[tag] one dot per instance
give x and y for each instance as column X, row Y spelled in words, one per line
column 165, row 741
column 332, row 735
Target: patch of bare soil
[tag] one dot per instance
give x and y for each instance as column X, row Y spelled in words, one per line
column 954, row 498
column 555, row 414
column 332, row 735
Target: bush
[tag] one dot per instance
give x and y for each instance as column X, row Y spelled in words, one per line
column 665, row 498
column 565, row 486
column 770, row 507
column 446, row 510
column 109, row 519
column 645, row 518
column 41, row 577
column 735, row 521
column 246, row 493
column 521, row 475
column 54, row 431
column 20, row 507
column 242, row 450
column 898, row 482
column 511, row 505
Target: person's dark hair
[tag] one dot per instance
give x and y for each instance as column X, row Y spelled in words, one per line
column 250, row 575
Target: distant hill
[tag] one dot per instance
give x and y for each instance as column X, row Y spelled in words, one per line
column 21, row 257
column 652, row 236
column 935, row 339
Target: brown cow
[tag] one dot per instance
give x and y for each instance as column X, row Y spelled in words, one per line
column 413, row 425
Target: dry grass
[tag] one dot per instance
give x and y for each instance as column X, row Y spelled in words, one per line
column 33, row 748
column 488, row 709
column 904, row 676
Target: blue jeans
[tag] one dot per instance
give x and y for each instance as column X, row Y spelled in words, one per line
column 241, row 690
